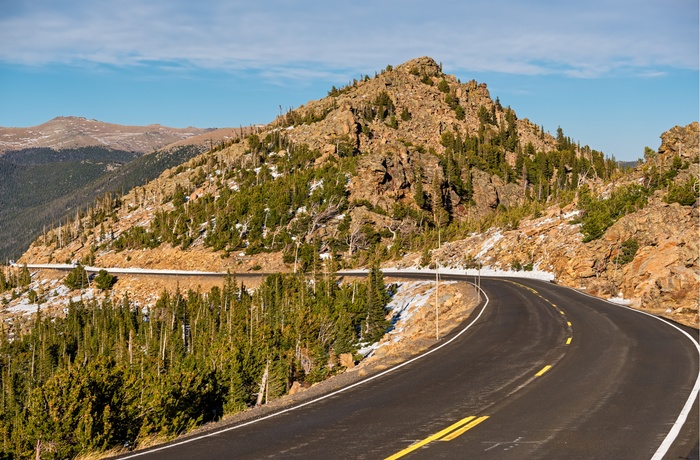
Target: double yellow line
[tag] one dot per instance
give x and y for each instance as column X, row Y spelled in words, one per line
column 448, row 434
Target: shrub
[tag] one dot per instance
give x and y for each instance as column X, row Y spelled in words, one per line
column 685, row 194
column 599, row 214
column 77, row 278
column 627, row 251
column 104, row 281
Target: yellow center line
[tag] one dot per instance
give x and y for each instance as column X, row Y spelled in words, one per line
column 544, row 369
column 462, row 430
column 568, row 341
column 568, row 323
column 439, row 435
column 523, row 286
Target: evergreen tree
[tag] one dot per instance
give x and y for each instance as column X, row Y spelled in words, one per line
column 440, row 214
column 104, row 281
column 76, row 278
column 375, row 323
column 24, row 277
column 419, row 194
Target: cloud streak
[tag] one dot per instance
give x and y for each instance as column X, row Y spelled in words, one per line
column 301, row 39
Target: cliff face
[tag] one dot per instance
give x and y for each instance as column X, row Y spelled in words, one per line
column 681, row 141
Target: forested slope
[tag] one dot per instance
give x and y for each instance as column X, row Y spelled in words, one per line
column 42, row 187
column 111, row 375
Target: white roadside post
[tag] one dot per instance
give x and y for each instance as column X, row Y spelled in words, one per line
column 437, row 299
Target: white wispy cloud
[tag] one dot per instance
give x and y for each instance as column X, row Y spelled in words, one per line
column 303, row 39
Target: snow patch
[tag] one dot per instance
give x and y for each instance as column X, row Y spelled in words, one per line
column 488, row 244
column 620, row 301
column 403, row 305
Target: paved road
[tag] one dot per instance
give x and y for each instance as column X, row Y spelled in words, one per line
column 543, row 373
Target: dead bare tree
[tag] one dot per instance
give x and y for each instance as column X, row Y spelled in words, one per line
column 244, row 228
column 318, row 218
column 356, row 239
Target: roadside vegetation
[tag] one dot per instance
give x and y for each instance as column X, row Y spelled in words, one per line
column 113, row 374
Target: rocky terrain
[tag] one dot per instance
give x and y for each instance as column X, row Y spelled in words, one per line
column 664, row 275
column 393, row 155
column 394, row 127
column 71, row 132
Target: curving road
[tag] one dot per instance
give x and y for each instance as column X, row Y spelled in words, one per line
column 542, row 372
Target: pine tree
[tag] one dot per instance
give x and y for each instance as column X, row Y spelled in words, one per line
column 24, row 277
column 77, row 278
column 375, row 323
column 104, row 281
column 419, row 194
column 440, row 215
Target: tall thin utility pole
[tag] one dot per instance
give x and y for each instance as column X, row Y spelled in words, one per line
column 437, row 299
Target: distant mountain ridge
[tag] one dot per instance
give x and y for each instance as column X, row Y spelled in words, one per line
column 50, row 170
column 42, row 186
column 74, row 132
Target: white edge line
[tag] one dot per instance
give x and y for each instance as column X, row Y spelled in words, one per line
column 341, row 390
column 683, row 416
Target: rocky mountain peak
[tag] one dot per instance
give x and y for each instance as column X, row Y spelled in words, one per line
column 412, row 103
column 421, row 66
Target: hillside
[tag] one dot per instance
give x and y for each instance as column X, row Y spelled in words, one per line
column 386, row 168
column 52, row 170
column 43, row 187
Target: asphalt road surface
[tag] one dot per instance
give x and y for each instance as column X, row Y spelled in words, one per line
column 542, row 372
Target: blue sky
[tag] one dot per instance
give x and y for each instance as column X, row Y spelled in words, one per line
column 613, row 74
